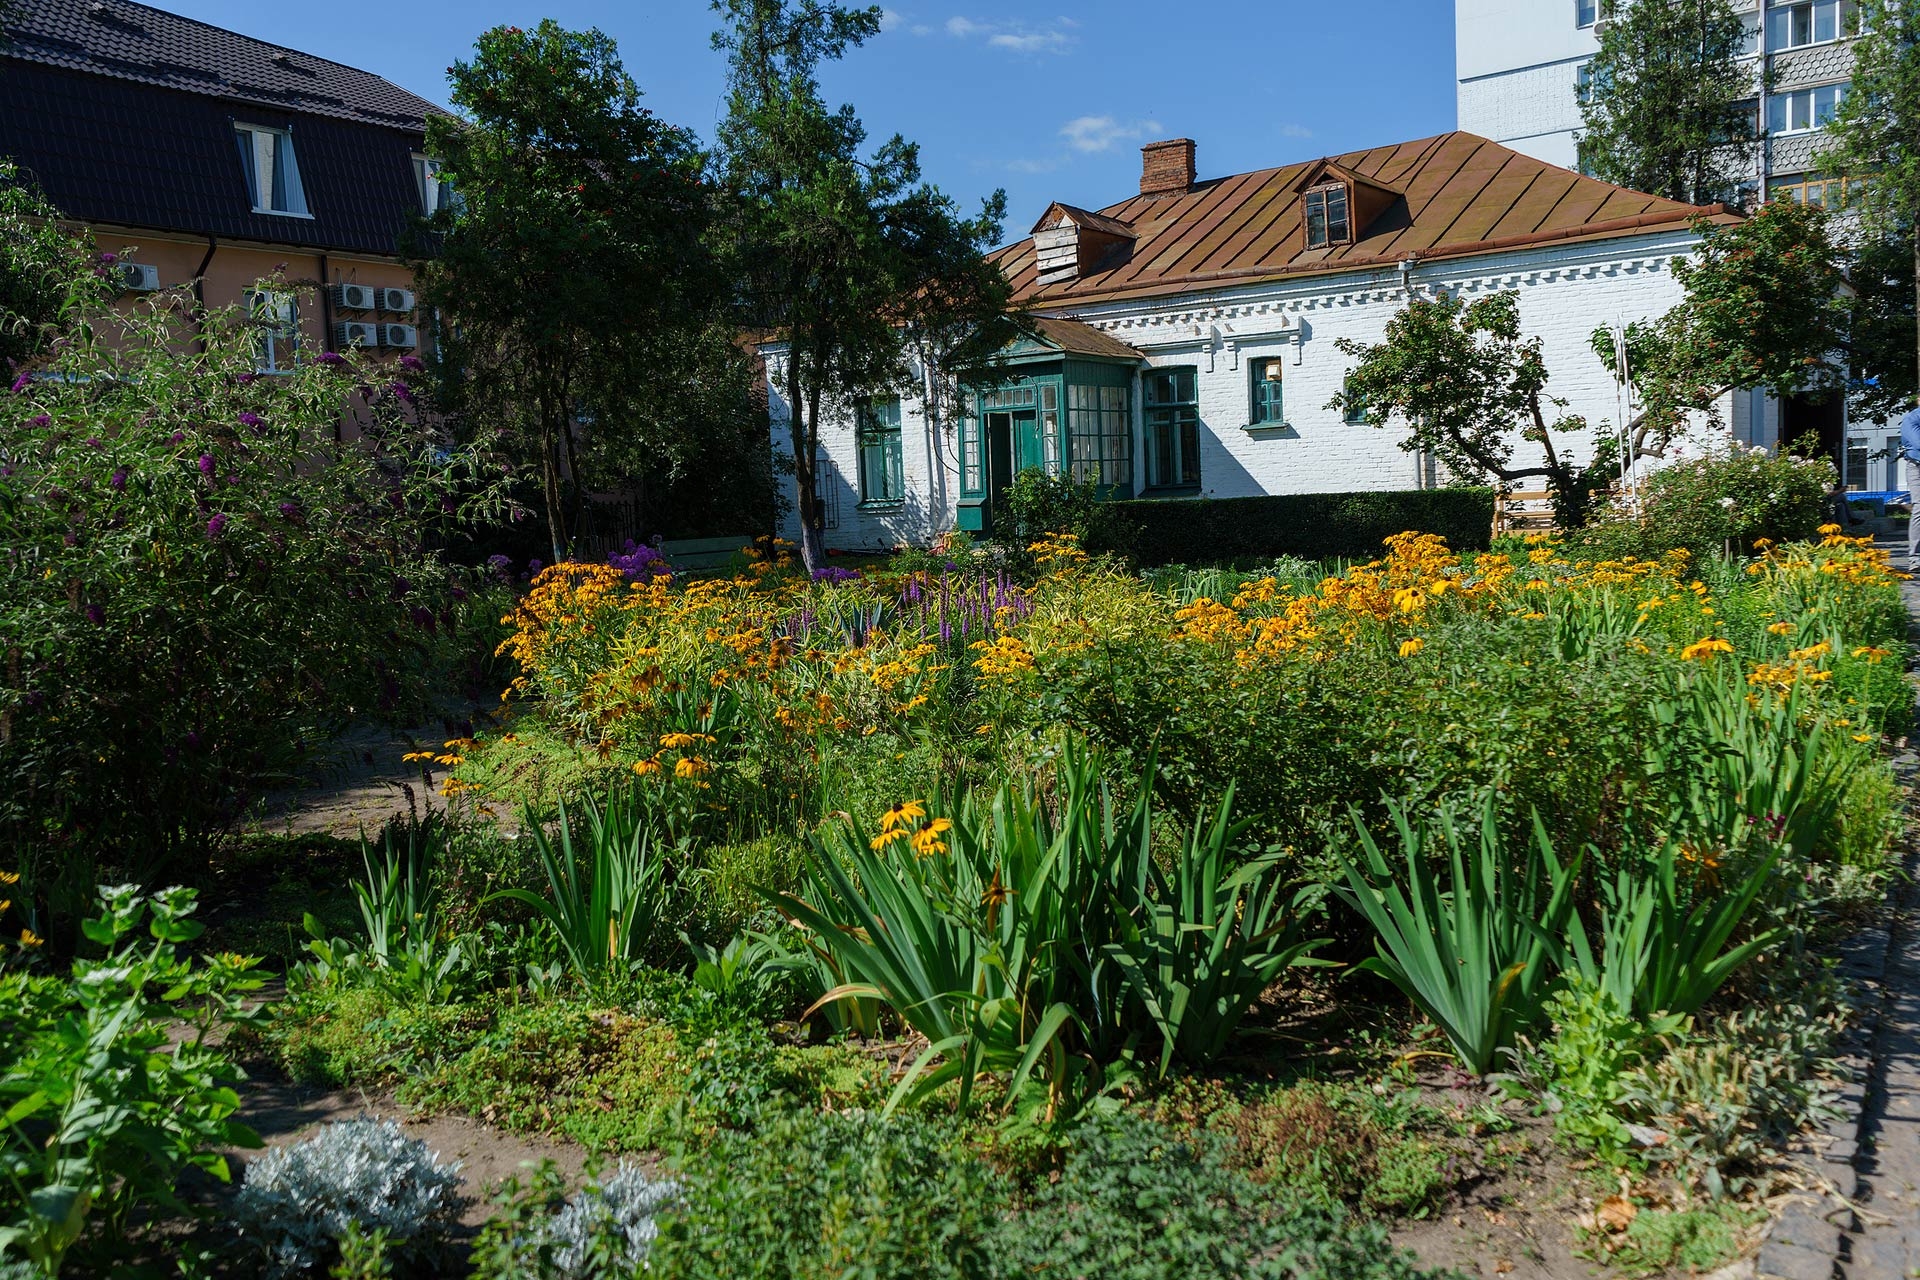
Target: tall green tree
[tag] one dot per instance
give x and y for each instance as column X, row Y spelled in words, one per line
column 1875, row 140
column 847, row 258
column 570, row 273
column 43, row 269
column 1662, row 106
column 1763, row 308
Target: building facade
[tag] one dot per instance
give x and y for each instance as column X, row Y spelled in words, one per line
column 1522, row 69
column 204, row 158
column 1185, row 338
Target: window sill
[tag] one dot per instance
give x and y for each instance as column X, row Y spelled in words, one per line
column 284, row 213
column 883, row 504
column 1269, row 429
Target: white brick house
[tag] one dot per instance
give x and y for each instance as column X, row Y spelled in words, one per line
column 1186, row 343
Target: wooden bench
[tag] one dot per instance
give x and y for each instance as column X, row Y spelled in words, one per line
column 704, row 553
column 1522, row 512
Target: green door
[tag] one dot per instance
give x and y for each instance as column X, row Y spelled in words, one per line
column 1029, row 447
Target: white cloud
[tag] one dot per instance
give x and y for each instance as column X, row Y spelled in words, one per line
column 1047, row 165
column 1015, row 37
column 890, row 19
column 1100, row 133
column 1295, row 131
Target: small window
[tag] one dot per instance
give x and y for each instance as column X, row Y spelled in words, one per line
column 275, row 316
column 1327, row 221
column 1357, row 413
column 435, row 194
column 1173, row 429
column 272, row 173
column 881, row 483
column 1803, row 110
column 1583, row 81
column 1268, row 407
column 1585, row 12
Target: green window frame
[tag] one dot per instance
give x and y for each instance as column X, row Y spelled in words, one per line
column 1328, row 222
column 1173, row 427
column 1100, row 426
column 878, row 430
column 1357, row 413
column 1267, row 407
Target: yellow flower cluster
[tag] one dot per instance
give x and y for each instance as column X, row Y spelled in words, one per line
column 1004, row 658
column 906, row 823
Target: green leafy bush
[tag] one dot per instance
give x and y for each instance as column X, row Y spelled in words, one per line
column 111, row 1084
column 1314, row 526
column 1714, row 503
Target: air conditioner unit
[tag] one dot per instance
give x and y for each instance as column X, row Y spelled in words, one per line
column 138, row 277
column 355, row 297
column 399, row 335
column 356, row 333
column 396, row 300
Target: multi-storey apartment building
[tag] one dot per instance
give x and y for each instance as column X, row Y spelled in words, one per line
column 1522, row 68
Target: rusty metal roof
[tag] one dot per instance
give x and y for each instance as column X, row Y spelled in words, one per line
column 1076, row 339
column 1460, row 194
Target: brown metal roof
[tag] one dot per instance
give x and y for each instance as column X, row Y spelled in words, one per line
column 1079, row 339
column 1461, row 194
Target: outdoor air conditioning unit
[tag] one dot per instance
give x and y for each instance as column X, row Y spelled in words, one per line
column 356, row 333
column 396, row 300
column 354, row 297
column 399, row 335
column 138, row 277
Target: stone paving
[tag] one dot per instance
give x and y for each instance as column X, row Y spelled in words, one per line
column 1862, row 1221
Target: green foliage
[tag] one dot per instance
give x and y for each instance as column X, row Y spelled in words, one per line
column 1695, row 1240
column 1872, row 141
column 47, row 270
column 1313, row 526
column 1324, row 1144
column 1467, row 384
column 1138, row 1202
column 570, row 272
column 1037, row 504
column 1763, row 308
column 404, row 952
column 1470, row 952
column 1595, row 1042
column 1666, row 111
column 1712, row 504
column 835, row 1195
column 112, row 1082
column 201, row 581
column 602, row 905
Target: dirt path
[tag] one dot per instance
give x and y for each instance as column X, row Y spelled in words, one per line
column 359, row 784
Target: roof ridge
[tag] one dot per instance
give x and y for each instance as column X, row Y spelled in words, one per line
column 229, row 31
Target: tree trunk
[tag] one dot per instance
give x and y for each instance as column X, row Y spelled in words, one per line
column 573, row 473
column 550, row 481
column 803, row 431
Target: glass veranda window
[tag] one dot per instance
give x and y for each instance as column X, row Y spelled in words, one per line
column 1173, row 429
column 275, row 316
column 1102, row 435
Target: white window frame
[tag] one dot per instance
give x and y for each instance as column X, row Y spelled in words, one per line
column 435, row 195
column 275, row 317
column 1787, row 100
column 1844, row 11
column 1585, row 13
column 256, row 143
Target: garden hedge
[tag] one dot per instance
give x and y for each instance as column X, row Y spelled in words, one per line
column 1313, row 526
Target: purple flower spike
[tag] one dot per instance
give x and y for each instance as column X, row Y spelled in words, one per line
column 96, row 615
column 289, row 510
column 118, row 482
column 178, row 437
column 206, row 465
column 108, row 259
column 331, row 357
column 217, row 525
column 248, row 418
column 22, row 382
column 40, row 420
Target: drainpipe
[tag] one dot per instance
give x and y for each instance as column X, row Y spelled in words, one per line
column 326, row 305
column 200, row 294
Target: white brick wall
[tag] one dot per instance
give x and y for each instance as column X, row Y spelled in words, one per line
column 1534, row 110
column 1566, row 291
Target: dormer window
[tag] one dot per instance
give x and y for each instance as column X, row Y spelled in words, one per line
column 1328, row 222
column 272, row 174
column 436, row 192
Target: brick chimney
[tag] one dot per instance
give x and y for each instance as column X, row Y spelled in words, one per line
column 1166, row 168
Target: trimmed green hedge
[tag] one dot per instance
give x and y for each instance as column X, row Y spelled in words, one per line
column 1314, row 526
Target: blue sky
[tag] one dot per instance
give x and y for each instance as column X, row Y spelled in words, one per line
column 1047, row 103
